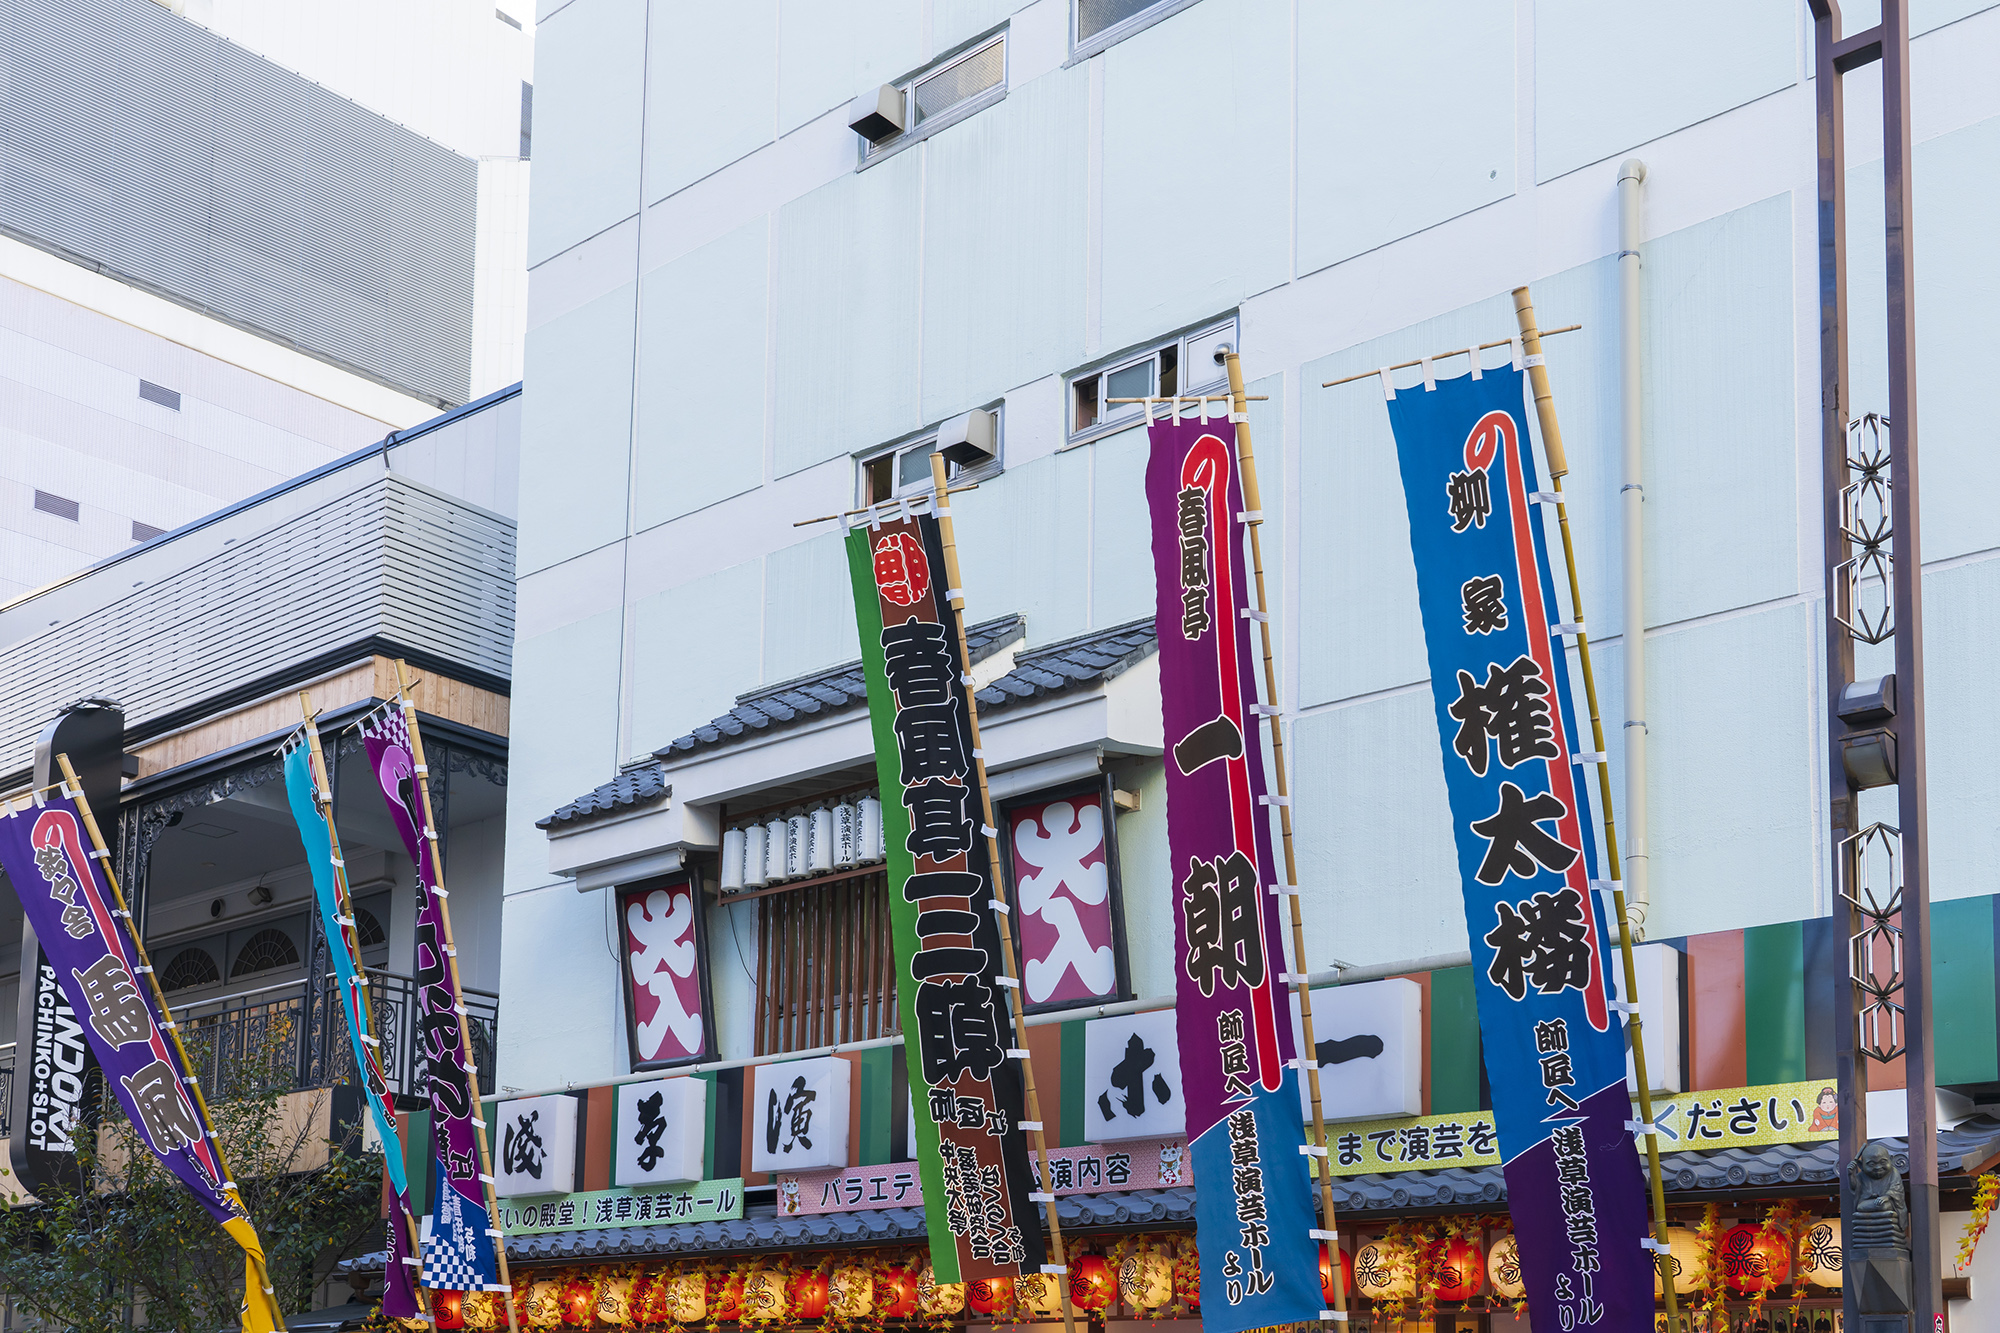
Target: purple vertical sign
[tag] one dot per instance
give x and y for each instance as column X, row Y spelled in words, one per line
column 458, row 1256
column 1253, row 1202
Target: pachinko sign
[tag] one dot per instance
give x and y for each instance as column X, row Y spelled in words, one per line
column 965, row 1080
column 1253, row 1207
column 86, row 938
column 1554, row 1048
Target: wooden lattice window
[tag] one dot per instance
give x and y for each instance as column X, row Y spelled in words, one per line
column 826, row 967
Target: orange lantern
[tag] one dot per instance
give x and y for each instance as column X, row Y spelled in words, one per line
column 678, row 1298
column 1326, row 1274
column 810, row 1293
column 1753, row 1260
column 1187, row 1278
column 1458, row 1269
column 725, row 1295
column 1036, row 1294
column 764, row 1297
column 990, row 1295
column 938, row 1298
column 896, row 1293
column 578, row 1299
column 1092, row 1282
column 448, row 1308
column 482, row 1310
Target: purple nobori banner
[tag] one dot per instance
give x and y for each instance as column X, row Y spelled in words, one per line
column 458, row 1255
column 87, row 939
column 1253, row 1203
column 1555, row 1051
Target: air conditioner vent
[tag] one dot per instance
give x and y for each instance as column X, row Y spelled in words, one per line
column 161, row 394
column 57, row 505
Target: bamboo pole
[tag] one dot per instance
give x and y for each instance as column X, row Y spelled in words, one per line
column 1003, row 919
column 344, row 905
column 423, row 785
column 103, row 858
column 1473, row 350
column 1253, row 505
column 1552, row 446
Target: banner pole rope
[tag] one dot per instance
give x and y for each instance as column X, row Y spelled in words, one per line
column 1253, row 504
column 1552, row 448
column 344, row 902
column 1016, row 1002
column 423, row 784
column 75, row 789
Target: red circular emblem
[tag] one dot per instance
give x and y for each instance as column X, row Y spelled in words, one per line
column 901, row 571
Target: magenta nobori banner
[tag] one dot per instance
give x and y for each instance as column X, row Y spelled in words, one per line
column 87, row 939
column 1521, row 816
column 1254, row 1213
column 458, row 1256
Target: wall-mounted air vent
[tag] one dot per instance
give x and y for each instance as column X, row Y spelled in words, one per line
column 161, row 394
column 145, row 532
column 57, row 505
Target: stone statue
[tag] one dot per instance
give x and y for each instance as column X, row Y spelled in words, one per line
column 1880, row 1220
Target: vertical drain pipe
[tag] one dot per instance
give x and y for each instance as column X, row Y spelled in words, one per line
column 1632, row 496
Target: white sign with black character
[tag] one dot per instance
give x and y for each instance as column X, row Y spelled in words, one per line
column 536, row 1146
column 660, row 1131
column 799, row 1114
column 1132, row 1078
column 1370, row 1044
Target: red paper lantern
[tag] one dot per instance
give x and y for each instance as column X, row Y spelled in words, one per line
column 1326, row 1274
column 1187, row 1279
column 896, row 1293
column 725, row 1296
column 448, row 1308
column 809, row 1295
column 579, row 1302
column 1457, row 1268
column 990, row 1295
column 1092, row 1281
column 1754, row 1260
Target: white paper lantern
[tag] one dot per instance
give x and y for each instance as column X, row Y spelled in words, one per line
column 774, row 852
column 1503, row 1267
column 1381, row 1273
column 872, row 847
column 797, row 830
column 846, row 840
column 1688, row 1258
column 732, row 861
column 819, row 846
column 755, row 841
column 1819, row 1256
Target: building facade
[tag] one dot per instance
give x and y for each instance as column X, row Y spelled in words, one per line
column 745, row 315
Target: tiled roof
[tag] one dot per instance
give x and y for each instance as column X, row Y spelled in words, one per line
column 635, row 786
column 1084, row 660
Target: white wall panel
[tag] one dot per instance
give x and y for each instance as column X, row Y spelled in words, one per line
column 830, row 51
column 1417, row 100
column 589, row 116
column 1732, row 764
column 847, row 314
column 1024, row 545
column 562, row 1033
column 1925, row 15
column 1604, row 83
column 1205, row 87
column 1121, row 532
column 1961, row 642
column 576, row 429
column 808, row 609
column 1004, row 245
column 702, row 356
column 695, row 650
column 954, row 21
column 565, row 713
column 1377, row 864
column 711, row 88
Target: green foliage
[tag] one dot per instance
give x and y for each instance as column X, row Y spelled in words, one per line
column 139, row 1250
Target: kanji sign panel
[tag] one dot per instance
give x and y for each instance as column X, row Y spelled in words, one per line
column 1253, row 1212
column 1554, row 1049
column 799, row 1110
column 965, row 1076
column 534, row 1146
column 661, row 1131
column 1063, row 891
column 87, row 942
column 1137, row 1164
column 664, row 962
column 1369, row 1040
column 700, row 1201
column 1132, row 1078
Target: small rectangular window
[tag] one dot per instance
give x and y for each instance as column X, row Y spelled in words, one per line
column 145, row 532
column 1188, row 364
column 1097, row 24
column 947, row 93
column 55, row 504
column 905, row 469
column 1096, row 16
column 161, row 394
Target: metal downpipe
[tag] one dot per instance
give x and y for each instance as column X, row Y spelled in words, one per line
column 1632, row 498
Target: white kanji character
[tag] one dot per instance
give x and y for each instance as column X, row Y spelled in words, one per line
column 664, row 925
column 1058, row 851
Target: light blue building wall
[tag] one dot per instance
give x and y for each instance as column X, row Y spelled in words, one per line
column 728, row 309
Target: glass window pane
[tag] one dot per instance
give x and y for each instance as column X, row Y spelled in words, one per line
column 914, row 466
column 1135, row 381
column 1086, row 403
column 1094, row 16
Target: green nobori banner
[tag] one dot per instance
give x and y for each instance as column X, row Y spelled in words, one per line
column 655, row 1205
column 965, row 1079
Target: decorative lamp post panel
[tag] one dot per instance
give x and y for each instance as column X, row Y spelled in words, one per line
column 537, row 1146
column 1370, row 1045
column 662, row 1130
column 800, row 1115
column 1132, row 1078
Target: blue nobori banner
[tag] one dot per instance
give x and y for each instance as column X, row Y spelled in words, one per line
column 1541, row 951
